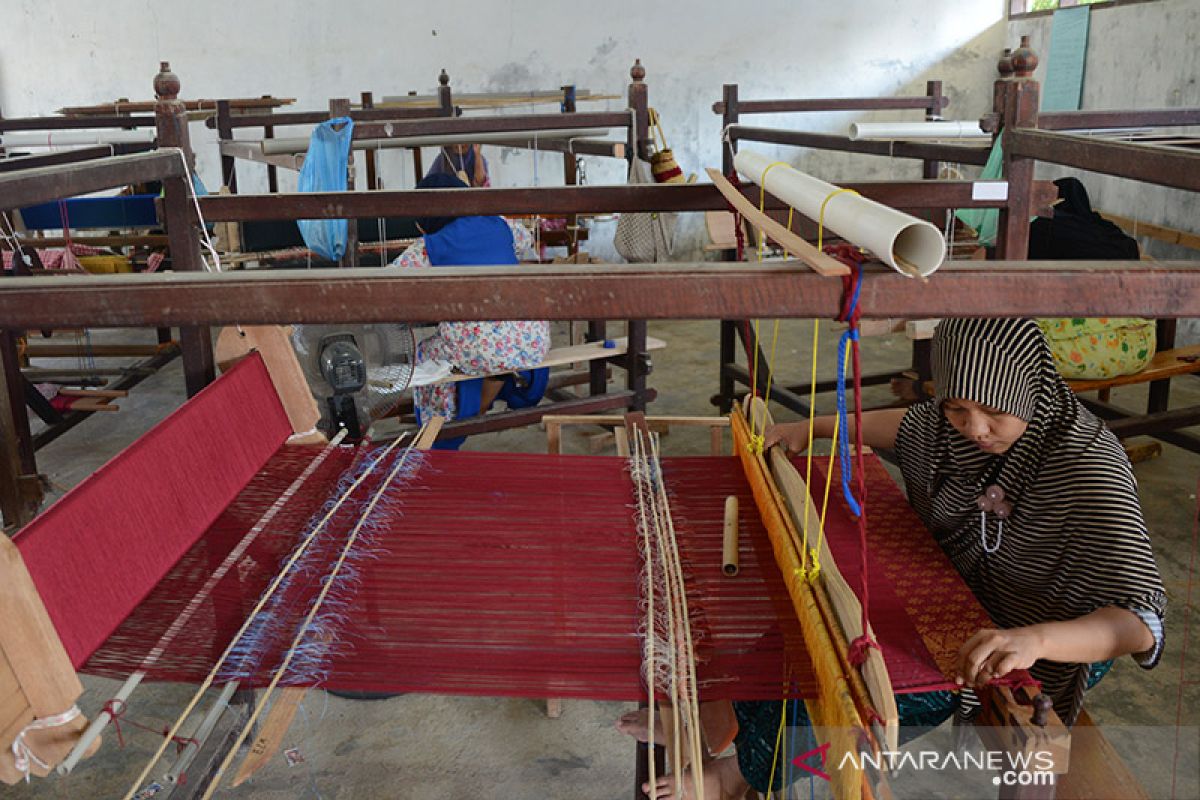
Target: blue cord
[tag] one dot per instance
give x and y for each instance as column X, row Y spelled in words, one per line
column 843, row 443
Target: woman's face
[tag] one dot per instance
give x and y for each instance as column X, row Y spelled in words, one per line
column 992, row 430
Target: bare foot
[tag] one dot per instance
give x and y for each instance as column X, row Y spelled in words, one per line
column 722, row 781
column 637, row 725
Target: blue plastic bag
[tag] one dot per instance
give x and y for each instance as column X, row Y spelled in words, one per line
column 324, row 170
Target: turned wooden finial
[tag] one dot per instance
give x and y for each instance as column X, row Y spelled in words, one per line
column 1024, row 60
column 1041, row 710
column 1004, row 65
column 443, row 78
column 637, row 71
column 166, row 83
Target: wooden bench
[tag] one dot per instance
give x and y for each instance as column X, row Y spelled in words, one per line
column 573, row 354
column 1165, row 364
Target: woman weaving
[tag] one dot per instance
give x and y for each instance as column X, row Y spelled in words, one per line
column 474, row 348
column 1034, row 502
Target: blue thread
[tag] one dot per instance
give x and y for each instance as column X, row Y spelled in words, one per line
column 843, row 442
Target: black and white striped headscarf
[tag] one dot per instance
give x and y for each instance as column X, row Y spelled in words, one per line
column 1076, row 540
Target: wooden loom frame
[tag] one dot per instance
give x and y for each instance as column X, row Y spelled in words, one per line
column 1031, row 137
column 731, row 108
column 673, row 291
column 393, row 122
column 57, row 686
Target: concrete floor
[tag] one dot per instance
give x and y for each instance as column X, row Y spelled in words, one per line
column 417, row 746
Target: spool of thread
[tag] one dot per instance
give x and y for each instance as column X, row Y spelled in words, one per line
column 729, row 557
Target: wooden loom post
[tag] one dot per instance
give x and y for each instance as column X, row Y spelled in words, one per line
column 37, row 679
column 1020, row 111
column 340, row 107
column 225, row 133
column 637, row 363
column 639, row 104
column 937, row 102
column 170, row 117
column 20, row 488
column 570, row 173
column 368, row 102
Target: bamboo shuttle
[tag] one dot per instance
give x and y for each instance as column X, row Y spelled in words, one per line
column 729, row 550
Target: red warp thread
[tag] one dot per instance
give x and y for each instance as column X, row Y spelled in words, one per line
column 1017, row 679
column 850, row 313
column 539, row 557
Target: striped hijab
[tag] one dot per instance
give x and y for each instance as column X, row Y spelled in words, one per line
column 1076, row 540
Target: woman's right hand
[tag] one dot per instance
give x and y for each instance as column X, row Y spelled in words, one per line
column 792, row 435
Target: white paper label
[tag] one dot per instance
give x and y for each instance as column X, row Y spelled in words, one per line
column 989, row 190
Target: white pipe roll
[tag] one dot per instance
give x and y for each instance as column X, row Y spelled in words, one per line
column 75, row 138
column 907, row 244
column 945, row 129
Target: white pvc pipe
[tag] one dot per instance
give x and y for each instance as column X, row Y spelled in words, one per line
column 75, row 138
column 529, row 138
column 945, row 129
column 907, row 244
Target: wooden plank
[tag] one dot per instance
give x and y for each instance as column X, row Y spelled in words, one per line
column 13, row 703
column 560, row 356
column 699, row 290
column 619, row 419
column 1163, row 166
column 41, row 184
column 799, row 248
column 1166, row 364
column 594, row 199
column 271, row 734
column 29, row 640
column 8, row 681
column 273, row 344
column 8, row 770
column 33, row 651
column 98, row 351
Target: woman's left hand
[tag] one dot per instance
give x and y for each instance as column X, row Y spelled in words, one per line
column 992, row 652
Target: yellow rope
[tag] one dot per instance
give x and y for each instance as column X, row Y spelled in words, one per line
column 758, row 430
column 828, row 484
column 821, row 215
column 778, row 750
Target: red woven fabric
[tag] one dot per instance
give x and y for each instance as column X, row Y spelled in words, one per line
column 97, row 552
column 920, row 607
column 516, row 575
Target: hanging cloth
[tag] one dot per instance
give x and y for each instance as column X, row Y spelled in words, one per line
column 324, row 170
column 986, row 221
